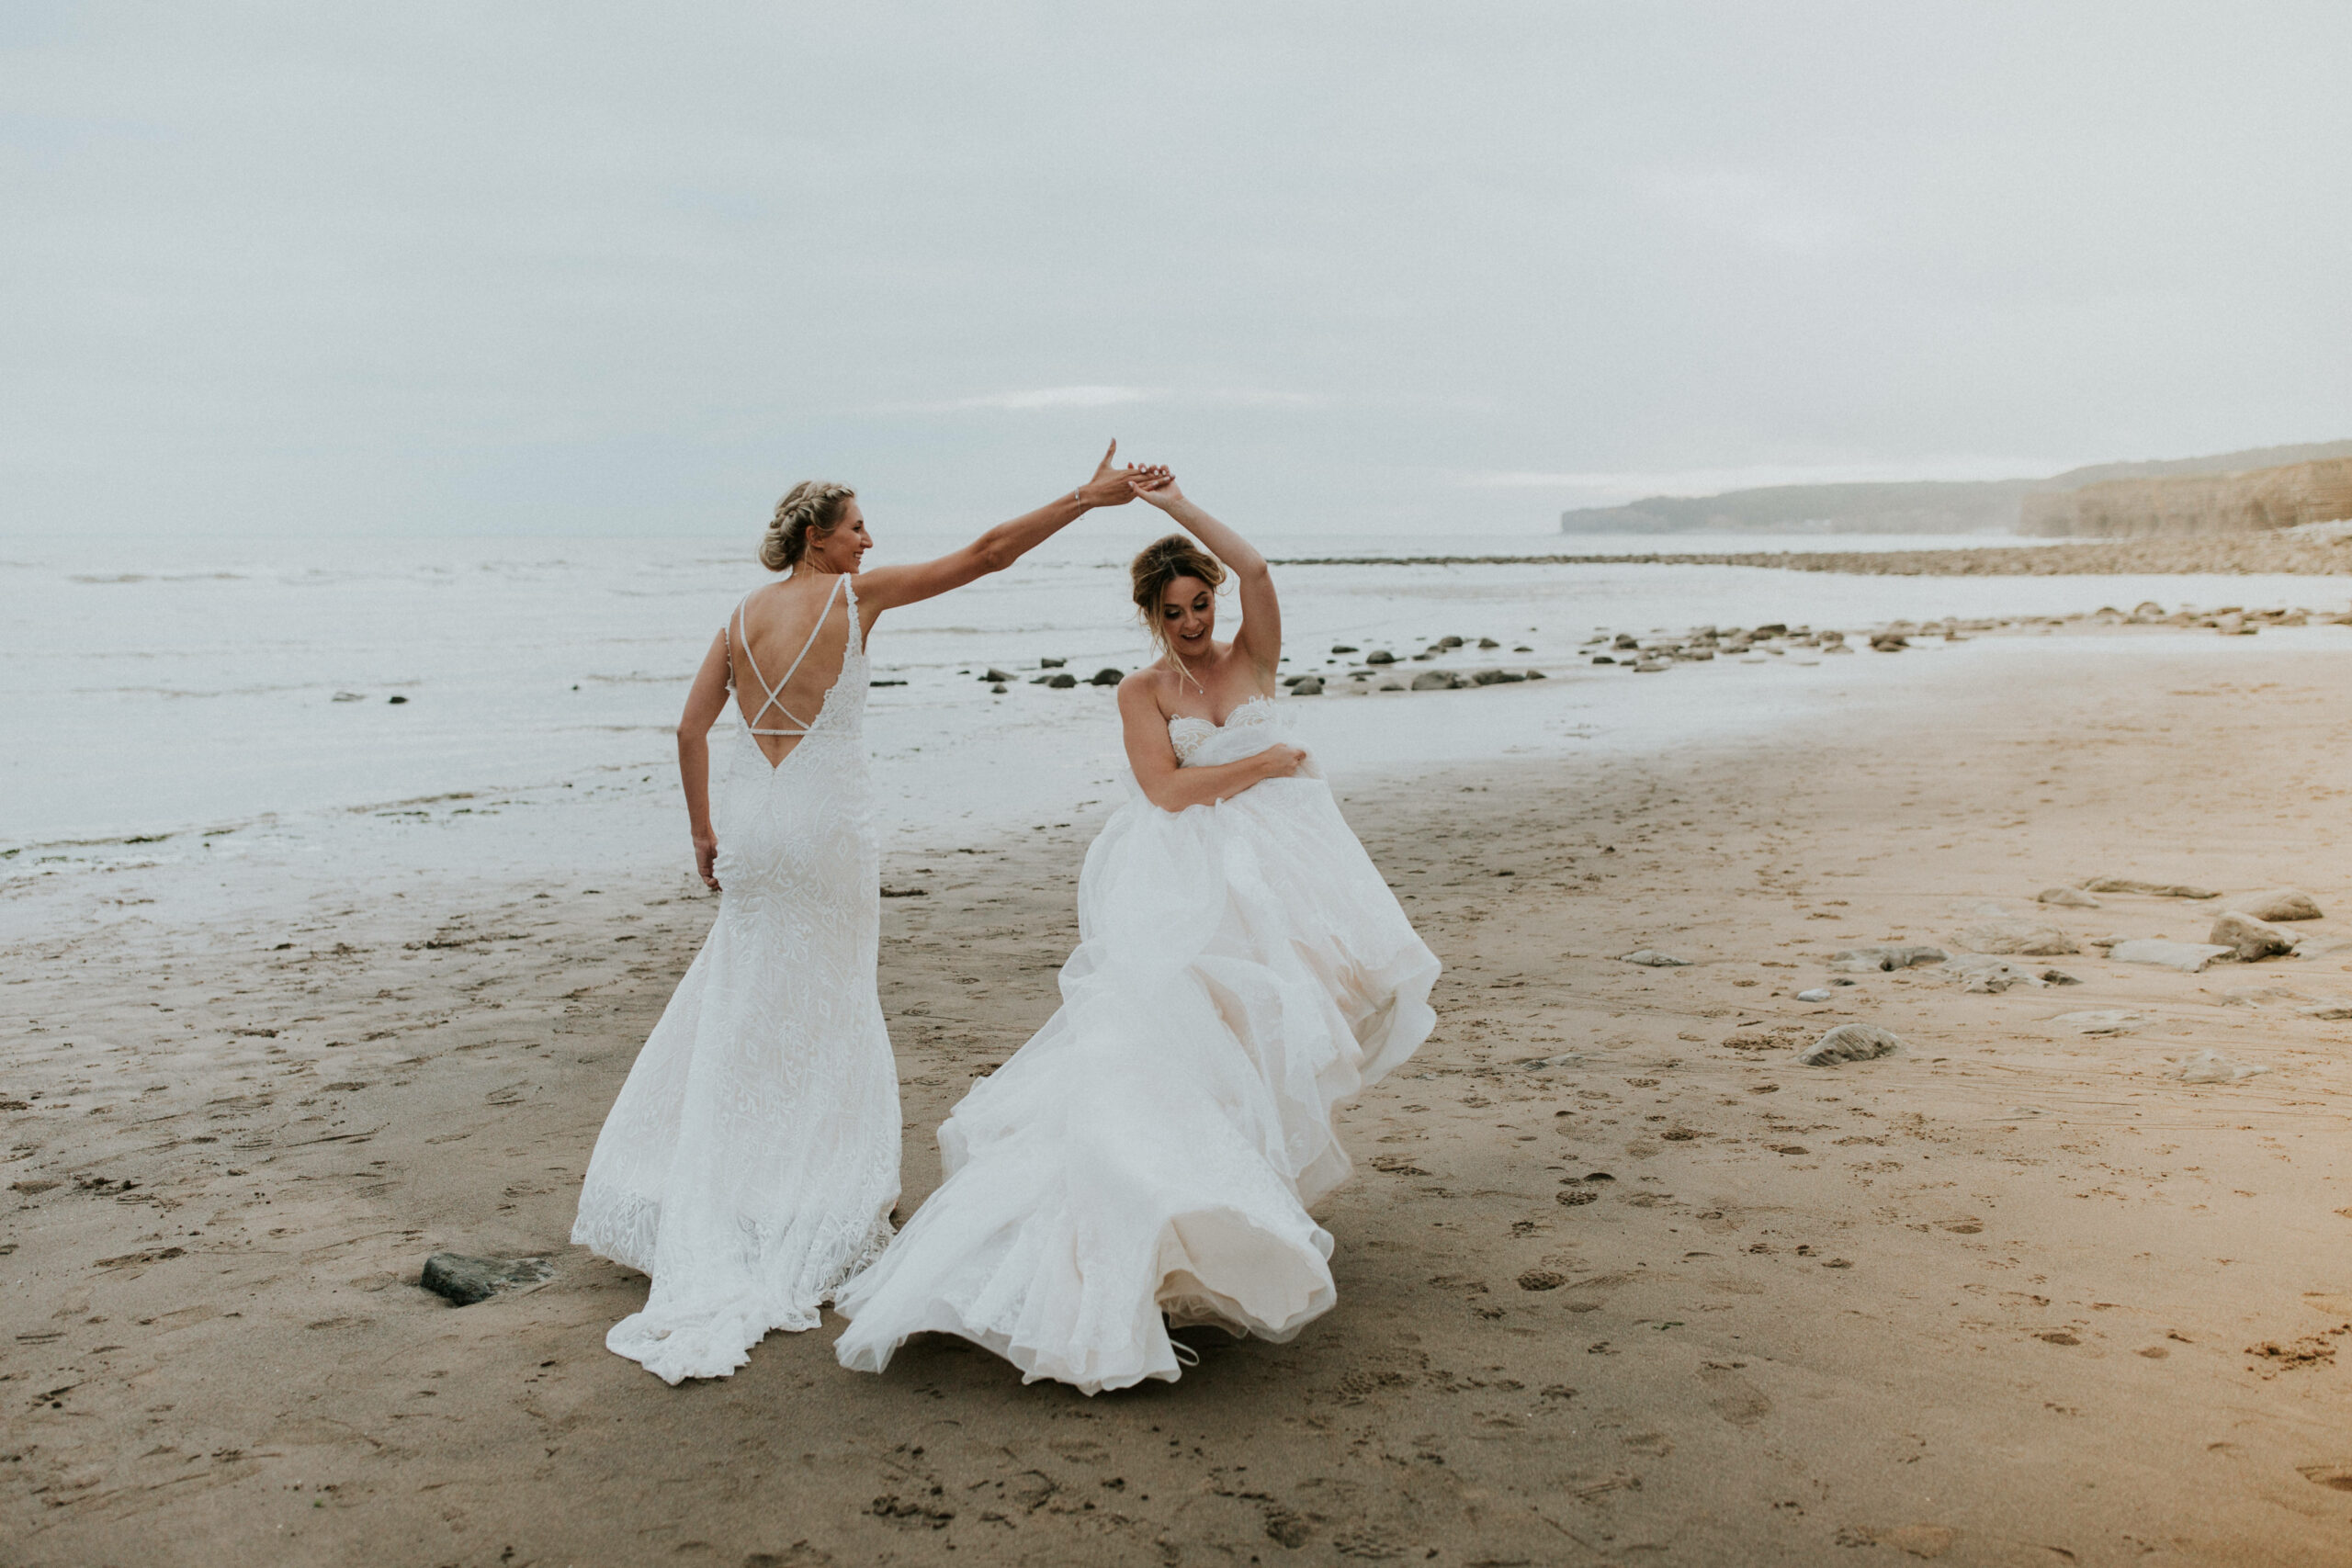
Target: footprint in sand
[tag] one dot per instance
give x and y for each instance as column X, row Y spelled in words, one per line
column 1733, row 1397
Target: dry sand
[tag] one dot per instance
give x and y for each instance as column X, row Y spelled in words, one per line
column 2001, row 1298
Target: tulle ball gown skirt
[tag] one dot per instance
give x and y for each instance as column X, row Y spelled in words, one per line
column 1148, row 1158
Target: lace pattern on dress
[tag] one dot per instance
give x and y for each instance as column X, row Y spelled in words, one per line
column 1189, row 734
column 750, row 1162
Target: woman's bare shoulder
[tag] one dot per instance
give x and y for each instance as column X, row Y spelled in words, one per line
column 1149, row 683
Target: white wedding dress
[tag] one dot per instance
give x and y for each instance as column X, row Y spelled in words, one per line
column 751, row 1161
column 1241, row 969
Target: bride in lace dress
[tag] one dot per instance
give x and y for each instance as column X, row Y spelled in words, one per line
column 751, row 1161
column 1150, row 1158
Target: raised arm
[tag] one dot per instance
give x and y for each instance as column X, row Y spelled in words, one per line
column 705, row 703
column 885, row 586
column 1260, row 637
column 1172, row 787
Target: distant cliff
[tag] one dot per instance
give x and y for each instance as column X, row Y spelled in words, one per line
column 2283, row 497
column 1999, row 506
column 1922, row 507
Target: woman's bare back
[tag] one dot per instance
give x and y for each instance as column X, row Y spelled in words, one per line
column 786, row 645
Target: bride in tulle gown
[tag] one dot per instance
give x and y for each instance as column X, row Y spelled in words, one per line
column 751, row 1163
column 1150, row 1158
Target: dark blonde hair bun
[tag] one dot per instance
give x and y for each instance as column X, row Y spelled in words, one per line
column 1161, row 563
column 811, row 503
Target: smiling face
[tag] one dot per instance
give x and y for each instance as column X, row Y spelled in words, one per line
column 1188, row 616
column 842, row 547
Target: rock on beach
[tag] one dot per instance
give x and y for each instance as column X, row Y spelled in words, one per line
column 1988, row 975
column 1649, row 958
column 2009, row 935
column 1880, row 960
column 2066, row 897
column 1850, row 1043
column 2248, row 937
column 2189, row 957
column 2280, row 904
column 2150, row 889
column 464, row 1281
column 2211, row 1067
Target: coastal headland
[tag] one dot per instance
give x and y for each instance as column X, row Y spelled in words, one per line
column 2061, row 1279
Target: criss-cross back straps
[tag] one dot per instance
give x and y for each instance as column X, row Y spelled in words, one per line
column 773, row 694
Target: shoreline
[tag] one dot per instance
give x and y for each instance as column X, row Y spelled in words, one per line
column 2243, row 555
column 1061, row 747
column 1905, row 1305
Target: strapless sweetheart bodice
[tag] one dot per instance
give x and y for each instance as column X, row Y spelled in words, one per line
column 1247, row 730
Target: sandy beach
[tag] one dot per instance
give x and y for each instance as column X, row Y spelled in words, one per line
column 1620, row 1281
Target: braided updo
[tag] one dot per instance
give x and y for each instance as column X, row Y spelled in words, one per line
column 811, row 503
column 1161, row 563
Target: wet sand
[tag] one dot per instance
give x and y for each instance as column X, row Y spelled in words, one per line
column 2013, row 1295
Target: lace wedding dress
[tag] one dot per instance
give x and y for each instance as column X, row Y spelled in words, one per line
column 1241, row 970
column 752, row 1160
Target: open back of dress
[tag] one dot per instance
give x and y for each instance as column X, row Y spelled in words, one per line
column 779, row 713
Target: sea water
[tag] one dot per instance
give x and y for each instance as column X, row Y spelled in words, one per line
column 195, row 698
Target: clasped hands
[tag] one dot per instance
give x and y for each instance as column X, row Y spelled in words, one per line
column 1110, row 486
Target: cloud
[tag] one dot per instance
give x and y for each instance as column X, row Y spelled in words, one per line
column 1079, row 397
column 1094, row 396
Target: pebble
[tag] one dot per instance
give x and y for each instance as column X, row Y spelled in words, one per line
column 1432, row 680
column 2249, row 937
column 1380, row 656
column 2067, row 898
column 997, row 676
column 1307, row 686
column 464, row 1281
column 1850, row 1043
column 1819, row 994
column 2280, row 904
column 1107, row 676
column 1650, row 958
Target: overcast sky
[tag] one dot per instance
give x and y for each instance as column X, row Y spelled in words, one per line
column 625, row 269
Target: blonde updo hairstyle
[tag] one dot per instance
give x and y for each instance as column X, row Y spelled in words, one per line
column 1162, row 562
column 812, row 504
